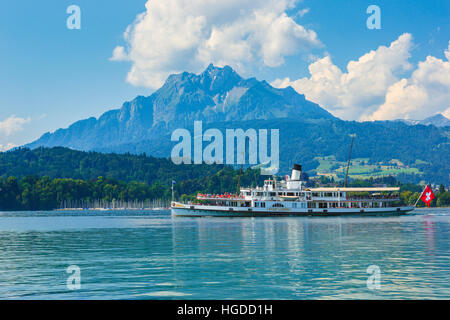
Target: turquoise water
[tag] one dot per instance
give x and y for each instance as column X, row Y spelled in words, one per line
column 149, row 255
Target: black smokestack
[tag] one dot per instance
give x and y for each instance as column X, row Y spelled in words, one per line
column 296, row 172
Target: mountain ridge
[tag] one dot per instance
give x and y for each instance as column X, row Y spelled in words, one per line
column 438, row 120
column 215, row 95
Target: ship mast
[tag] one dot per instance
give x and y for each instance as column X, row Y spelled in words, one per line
column 242, row 165
column 349, row 158
column 240, row 173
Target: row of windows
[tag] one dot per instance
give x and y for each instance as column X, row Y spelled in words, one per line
column 328, row 194
column 294, row 194
column 324, row 205
column 281, row 205
column 274, row 194
column 321, row 205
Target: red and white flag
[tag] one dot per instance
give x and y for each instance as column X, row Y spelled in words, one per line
column 427, row 195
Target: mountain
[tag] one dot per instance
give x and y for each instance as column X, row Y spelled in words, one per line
column 224, row 100
column 216, row 95
column 438, row 120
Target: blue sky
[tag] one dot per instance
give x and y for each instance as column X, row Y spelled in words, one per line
column 52, row 76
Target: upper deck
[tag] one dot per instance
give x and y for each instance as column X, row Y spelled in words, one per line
column 294, row 190
column 280, row 193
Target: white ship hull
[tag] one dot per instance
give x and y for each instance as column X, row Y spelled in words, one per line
column 185, row 210
column 292, row 198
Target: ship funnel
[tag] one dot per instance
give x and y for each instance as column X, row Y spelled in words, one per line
column 296, row 172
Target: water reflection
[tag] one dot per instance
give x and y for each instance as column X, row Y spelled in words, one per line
column 151, row 255
column 317, row 257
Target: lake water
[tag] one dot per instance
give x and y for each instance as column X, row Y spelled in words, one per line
column 150, row 255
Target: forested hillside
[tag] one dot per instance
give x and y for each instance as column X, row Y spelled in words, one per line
column 62, row 162
column 46, row 178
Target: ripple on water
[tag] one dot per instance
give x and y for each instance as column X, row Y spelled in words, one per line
column 125, row 255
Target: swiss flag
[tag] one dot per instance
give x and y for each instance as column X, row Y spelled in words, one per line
column 427, row 195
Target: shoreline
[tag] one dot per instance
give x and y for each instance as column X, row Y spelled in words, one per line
column 107, row 209
column 140, row 209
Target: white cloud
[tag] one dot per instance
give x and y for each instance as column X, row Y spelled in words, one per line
column 424, row 94
column 178, row 35
column 7, row 147
column 360, row 90
column 302, row 12
column 119, row 54
column 372, row 88
column 12, row 125
column 352, row 94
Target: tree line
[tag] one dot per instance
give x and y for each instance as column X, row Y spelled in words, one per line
column 46, row 178
column 44, row 193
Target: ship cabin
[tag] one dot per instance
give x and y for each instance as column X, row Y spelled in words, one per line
column 291, row 194
column 314, row 198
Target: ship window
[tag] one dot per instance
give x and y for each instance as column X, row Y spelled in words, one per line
column 315, row 194
column 294, row 205
column 278, row 205
column 263, row 204
column 272, row 194
column 322, row 205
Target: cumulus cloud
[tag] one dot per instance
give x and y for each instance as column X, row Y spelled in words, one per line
column 425, row 93
column 178, row 35
column 359, row 91
column 12, row 125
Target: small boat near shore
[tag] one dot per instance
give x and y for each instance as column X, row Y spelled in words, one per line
column 291, row 197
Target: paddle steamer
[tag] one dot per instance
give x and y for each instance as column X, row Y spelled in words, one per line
column 291, row 197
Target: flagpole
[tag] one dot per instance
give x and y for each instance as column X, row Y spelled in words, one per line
column 172, row 191
column 420, row 195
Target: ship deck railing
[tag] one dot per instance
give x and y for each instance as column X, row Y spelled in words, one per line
column 220, row 197
column 357, row 198
column 371, row 198
column 215, row 205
